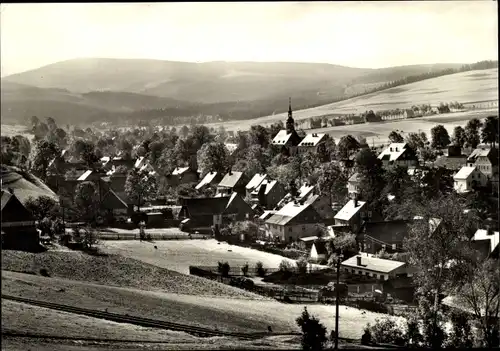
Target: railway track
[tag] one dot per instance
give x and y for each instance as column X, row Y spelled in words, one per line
column 144, row 322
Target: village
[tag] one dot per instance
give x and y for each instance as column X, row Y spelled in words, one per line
column 340, row 208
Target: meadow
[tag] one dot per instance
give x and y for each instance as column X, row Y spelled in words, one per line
column 179, row 255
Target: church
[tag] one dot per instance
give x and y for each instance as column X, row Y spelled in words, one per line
column 288, row 139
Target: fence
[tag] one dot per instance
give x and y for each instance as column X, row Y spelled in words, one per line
column 253, row 272
column 116, row 236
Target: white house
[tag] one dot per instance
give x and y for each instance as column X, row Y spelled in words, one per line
column 468, row 178
column 398, row 154
column 311, row 142
column 353, row 184
column 374, row 267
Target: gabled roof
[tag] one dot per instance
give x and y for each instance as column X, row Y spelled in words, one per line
column 451, row 162
column 256, row 181
column 373, row 264
column 493, row 237
column 231, row 147
column 287, row 213
column 85, row 175
column 180, row 170
column 312, row 139
column 207, row 179
column 485, row 151
column 205, row 206
column 6, row 196
column 138, row 162
column 464, row 172
column 349, row 210
column 281, row 138
column 268, row 184
column 356, row 177
column 393, row 152
column 24, row 185
column 267, row 214
column 230, row 180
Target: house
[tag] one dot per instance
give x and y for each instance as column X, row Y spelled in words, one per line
column 353, row 183
column 487, row 242
column 288, row 139
column 485, row 159
column 214, row 211
column 211, row 178
column 398, row 154
column 256, row 180
column 352, row 215
column 268, row 193
column 468, row 178
column 115, row 207
column 182, row 175
column 318, row 251
column 18, row 225
column 386, row 235
column 311, row 142
column 292, row 222
column 321, row 204
column 232, row 182
column 377, row 268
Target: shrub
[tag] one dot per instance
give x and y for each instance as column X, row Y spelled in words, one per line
column 302, row 265
column 413, row 336
column 285, row 266
column 387, row 331
column 89, row 238
column 244, row 269
column 259, row 267
column 461, row 335
column 313, row 332
column 44, row 272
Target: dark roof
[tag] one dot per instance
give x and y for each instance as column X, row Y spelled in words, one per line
column 113, row 202
column 6, row 196
column 24, row 185
column 453, row 163
column 396, row 230
column 204, row 206
column 491, row 154
column 321, row 247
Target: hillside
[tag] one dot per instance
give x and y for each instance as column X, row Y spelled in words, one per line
column 466, row 87
column 83, row 91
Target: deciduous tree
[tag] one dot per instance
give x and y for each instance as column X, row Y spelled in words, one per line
column 86, row 201
column 459, row 137
column 395, row 137
column 44, row 153
column 213, row 157
column 140, row 186
column 489, row 131
column 472, row 132
column 440, row 137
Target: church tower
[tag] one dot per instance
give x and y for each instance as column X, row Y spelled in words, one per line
column 290, row 123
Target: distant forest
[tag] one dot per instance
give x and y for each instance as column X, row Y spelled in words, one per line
column 226, row 111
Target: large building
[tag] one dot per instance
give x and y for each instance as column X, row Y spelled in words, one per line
column 288, row 139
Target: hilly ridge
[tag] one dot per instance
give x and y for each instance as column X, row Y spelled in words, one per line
column 89, row 90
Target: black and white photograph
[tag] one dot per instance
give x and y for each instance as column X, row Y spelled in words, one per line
column 309, row 175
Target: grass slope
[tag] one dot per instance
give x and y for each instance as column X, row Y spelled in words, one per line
column 465, row 87
column 221, row 313
column 116, row 270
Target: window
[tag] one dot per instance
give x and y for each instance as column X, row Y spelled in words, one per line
column 394, row 246
column 367, row 273
column 290, row 229
column 303, row 228
column 353, row 271
column 347, row 270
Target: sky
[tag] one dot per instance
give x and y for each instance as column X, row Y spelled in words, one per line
column 355, row 34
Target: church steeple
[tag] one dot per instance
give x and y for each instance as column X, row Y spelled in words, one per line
column 290, row 123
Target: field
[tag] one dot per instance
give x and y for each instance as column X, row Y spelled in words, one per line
column 377, row 133
column 213, row 312
column 179, row 255
column 466, row 87
column 12, row 130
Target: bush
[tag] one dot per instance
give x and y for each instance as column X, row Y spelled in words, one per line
column 244, row 269
column 386, row 331
column 259, row 267
column 302, row 266
column 44, row 273
column 461, row 335
column 285, row 266
column 313, row 332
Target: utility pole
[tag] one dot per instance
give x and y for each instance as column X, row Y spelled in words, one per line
column 339, row 259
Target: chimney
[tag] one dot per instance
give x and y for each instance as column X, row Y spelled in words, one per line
column 358, row 260
column 489, row 231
